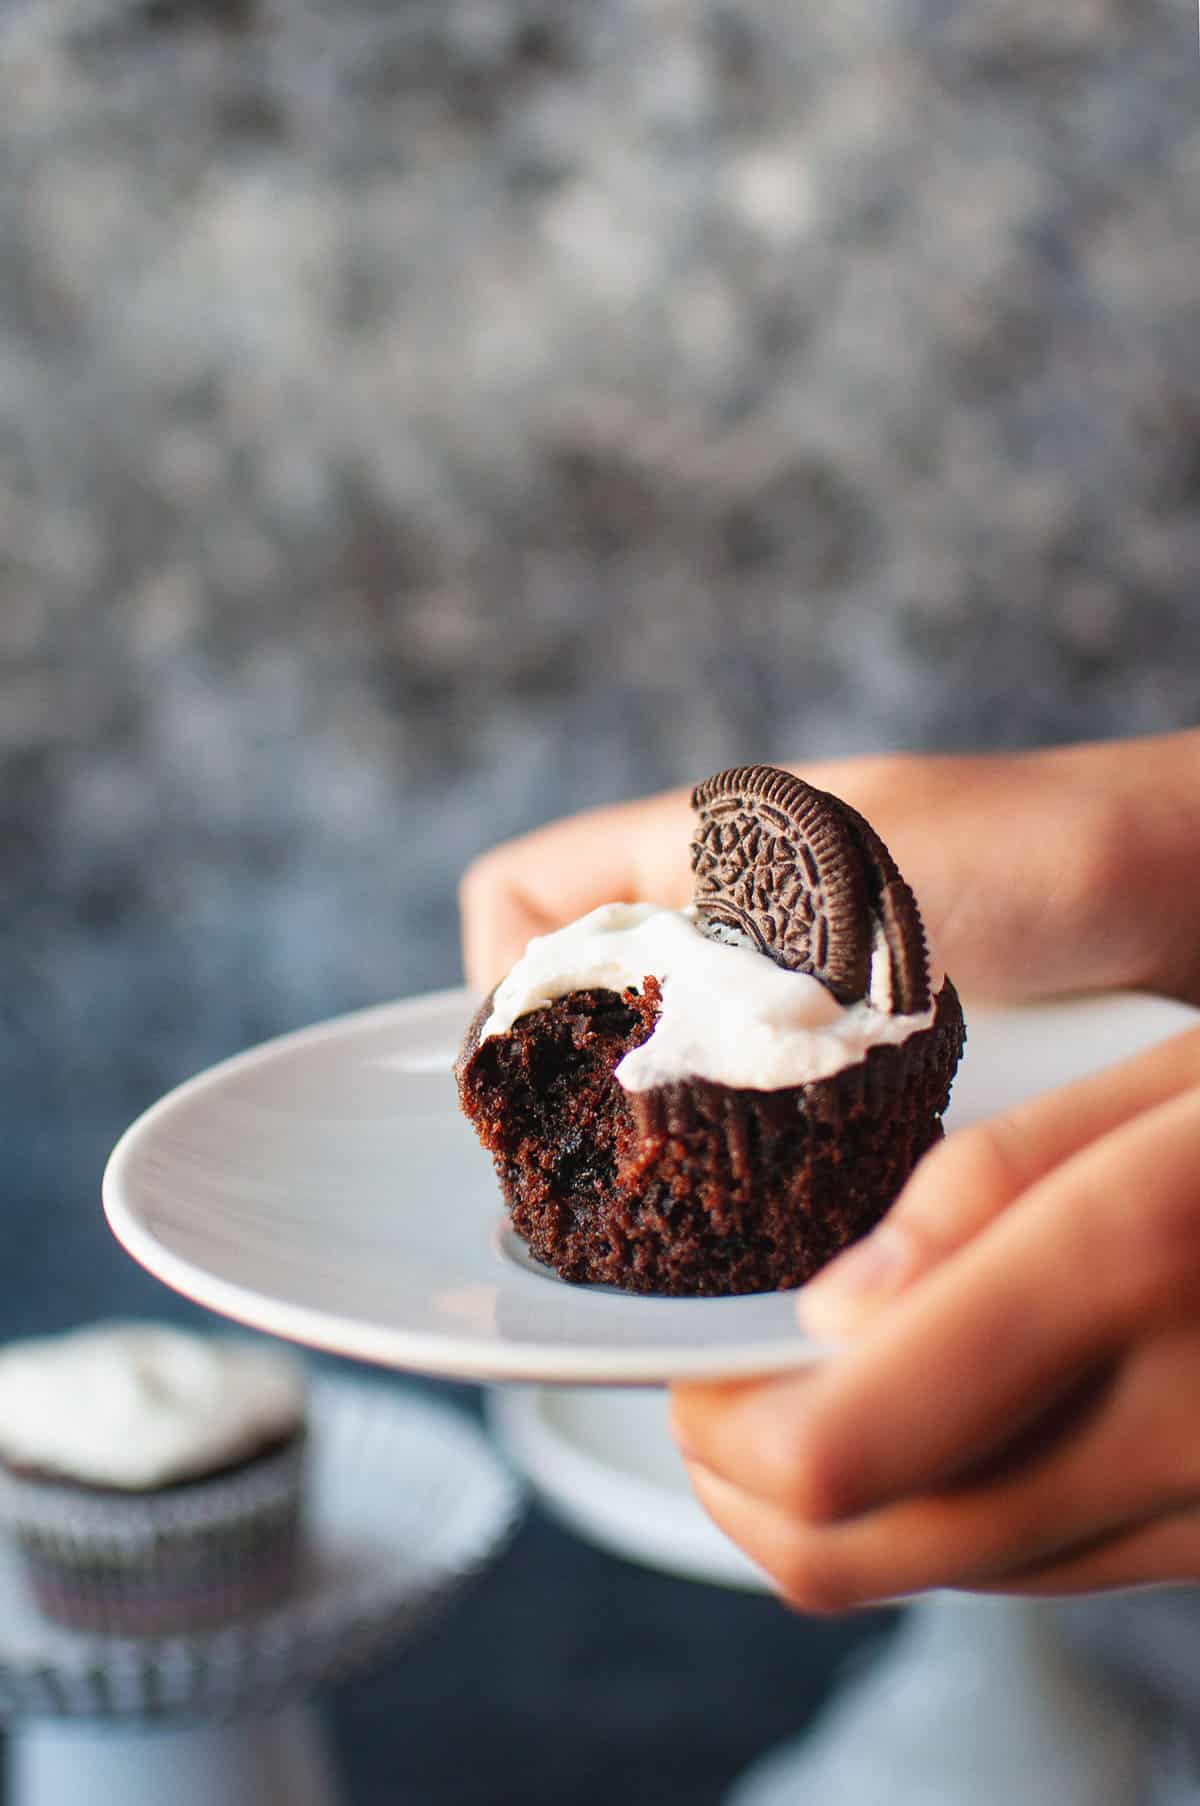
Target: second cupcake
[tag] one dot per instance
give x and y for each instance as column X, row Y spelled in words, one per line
column 151, row 1476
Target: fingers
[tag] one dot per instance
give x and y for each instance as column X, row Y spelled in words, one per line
column 955, row 1370
column 1049, row 871
column 1164, row 1550
column 1112, row 1464
column 1037, row 873
column 977, row 1173
column 821, row 1579
column 631, row 853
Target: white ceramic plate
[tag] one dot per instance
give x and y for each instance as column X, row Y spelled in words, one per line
column 324, row 1187
column 604, row 1463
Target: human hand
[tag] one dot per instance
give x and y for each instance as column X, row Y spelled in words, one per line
column 1016, row 1408
column 1035, row 872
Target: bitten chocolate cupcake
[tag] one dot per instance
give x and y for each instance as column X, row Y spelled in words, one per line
column 151, row 1476
column 719, row 1099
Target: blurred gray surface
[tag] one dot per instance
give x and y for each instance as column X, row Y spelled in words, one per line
column 421, row 417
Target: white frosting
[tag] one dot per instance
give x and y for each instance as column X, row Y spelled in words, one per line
column 140, row 1405
column 729, row 1014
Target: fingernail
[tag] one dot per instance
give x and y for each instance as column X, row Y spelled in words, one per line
column 866, row 1273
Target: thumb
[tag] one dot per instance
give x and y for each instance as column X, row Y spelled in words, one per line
column 627, row 853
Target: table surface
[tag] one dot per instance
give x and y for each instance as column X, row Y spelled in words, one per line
column 569, row 1674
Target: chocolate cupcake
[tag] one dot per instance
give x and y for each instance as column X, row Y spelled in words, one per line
column 719, row 1099
column 151, row 1477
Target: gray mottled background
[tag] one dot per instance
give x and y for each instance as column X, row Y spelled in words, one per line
column 420, row 417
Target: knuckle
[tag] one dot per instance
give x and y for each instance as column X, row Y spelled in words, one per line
column 1104, row 826
column 684, row 1415
column 1141, row 1255
column 1147, row 1420
column 809, row 1581
column 1091, row 858
column 815, row 1485
column 1160, row 1249
column 481, row 877
column 993, row 1152
column 968, row 1172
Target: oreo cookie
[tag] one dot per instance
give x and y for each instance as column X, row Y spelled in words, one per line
column 809, row 881
column 895, row 917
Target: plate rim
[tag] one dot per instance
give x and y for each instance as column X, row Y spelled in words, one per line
column 435, row 1353
column 423, row 1352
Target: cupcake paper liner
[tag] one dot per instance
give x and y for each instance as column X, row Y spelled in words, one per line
column 699, row 1189
column 404, row 1502
column 146, row 1563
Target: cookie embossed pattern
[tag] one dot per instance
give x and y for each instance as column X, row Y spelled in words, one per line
column 798, row 1063
column 808, row 877
column 771, row 859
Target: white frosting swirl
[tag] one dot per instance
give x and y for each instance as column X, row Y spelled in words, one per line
column 729, row 1014
column 141, row 1405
